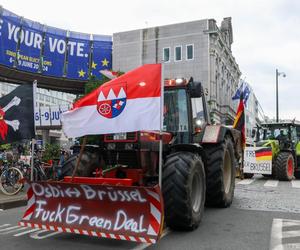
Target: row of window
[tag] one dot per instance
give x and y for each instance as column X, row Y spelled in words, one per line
column 178, row 53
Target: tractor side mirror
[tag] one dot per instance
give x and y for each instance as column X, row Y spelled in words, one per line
column 195, row 89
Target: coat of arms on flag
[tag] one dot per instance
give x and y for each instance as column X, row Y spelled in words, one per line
column 109, row 104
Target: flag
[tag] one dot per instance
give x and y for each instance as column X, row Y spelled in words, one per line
column 109, row 74
column 128, row 103
column 16, row 115
column 246, row 94
column 238, row 93
column 239, row 121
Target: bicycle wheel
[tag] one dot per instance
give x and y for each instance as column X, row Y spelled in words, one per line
column 10, row 181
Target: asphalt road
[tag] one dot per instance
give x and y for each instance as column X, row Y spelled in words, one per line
column 265, row 214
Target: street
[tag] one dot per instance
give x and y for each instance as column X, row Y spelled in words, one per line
column 265, row 214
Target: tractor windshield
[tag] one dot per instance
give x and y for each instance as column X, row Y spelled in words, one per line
column 175, row 111
column 275, row 133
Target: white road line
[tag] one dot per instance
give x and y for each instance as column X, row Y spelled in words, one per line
column 296, row 183
column 290, row 223
column 27, row 232
column 271, row 183
column 276, row 235
column 36, row 235
column 13, row 230
column 291, row 234
column 9, row 228
column 246, row 181
column 145, row 245
column 4, row 225
column 1, row 209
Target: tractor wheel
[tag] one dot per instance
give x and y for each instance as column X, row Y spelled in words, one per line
column 220, row 166
column 89, row 162
column 183, row 188
column 284, row 166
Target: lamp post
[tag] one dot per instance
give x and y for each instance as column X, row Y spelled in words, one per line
column 283, row 75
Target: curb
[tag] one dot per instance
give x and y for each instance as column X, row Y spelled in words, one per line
column 13, row 204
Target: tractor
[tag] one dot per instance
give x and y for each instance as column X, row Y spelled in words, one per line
column 283, row 138
column 199, row 164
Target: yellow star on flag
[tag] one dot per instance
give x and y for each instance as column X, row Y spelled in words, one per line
column 105, row 62
column 81, row 73
column 94, row 65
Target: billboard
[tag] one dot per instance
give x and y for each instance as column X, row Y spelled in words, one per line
column 32, row 47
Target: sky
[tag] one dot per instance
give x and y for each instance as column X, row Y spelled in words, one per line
column 266, row 34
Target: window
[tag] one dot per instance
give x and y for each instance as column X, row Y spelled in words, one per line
column 166, row 55
column 178, row 55
column 190, row 52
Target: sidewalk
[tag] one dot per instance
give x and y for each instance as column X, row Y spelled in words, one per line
column 17, row 200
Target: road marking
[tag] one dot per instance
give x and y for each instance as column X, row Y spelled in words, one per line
column 291, row 234
column 4, row 225
column 8, row 228
column 145, row 245
column 277, row 234
column 27, row 232
column 271, row 183
column 246, row 181
column 296, row 183
column 13, row 230
column 36, row 235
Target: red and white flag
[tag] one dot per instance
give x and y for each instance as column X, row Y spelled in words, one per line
column 128, row 103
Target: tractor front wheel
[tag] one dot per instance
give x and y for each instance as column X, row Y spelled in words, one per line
column 284, row 166
column 220, row 166
column 183, row 187
column 89, row 162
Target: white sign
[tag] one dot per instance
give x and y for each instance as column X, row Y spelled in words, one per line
column 258, row 160
column 49, row 116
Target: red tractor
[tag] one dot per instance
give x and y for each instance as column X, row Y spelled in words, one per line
column 199, row 164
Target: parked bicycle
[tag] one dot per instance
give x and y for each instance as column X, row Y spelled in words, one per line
column 10, row 178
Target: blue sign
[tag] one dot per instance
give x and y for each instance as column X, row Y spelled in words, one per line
column 54, row 52
column 101, row 58
column 36, row 48
column 78, row 56
column 30, row 39
column 9, row 30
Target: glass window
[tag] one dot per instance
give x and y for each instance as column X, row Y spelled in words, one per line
column 166, row 55
column 198, row 113
column 178, row 56
column 190, row 52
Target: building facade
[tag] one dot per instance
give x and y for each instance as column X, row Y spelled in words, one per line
column 198, row 49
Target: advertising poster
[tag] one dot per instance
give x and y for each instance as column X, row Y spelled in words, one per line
column 78, row 56
column 31, row 39
column 9, row 30
column 54, row 52
column 102, row 56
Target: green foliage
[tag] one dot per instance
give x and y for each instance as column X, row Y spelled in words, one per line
column 5, row 146
column 52, row 151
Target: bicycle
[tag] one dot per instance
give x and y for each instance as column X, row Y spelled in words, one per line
column 10, row 179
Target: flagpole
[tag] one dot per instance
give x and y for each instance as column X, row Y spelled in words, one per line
column 33, row 139
column 161, row 127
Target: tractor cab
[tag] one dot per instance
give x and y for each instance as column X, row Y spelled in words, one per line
column 185, row 112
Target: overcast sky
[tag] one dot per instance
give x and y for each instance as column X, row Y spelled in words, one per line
column 266, row 33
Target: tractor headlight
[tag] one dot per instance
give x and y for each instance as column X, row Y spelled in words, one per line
column 111, row 146
column 128, row 146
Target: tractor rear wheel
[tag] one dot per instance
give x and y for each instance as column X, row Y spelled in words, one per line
column 284, row 166
column 220, row 173
column 89, row 162
column 183, row 188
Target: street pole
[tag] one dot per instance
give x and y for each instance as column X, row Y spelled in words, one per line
column 277, row 113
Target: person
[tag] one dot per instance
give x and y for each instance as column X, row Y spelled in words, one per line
column 281, row 135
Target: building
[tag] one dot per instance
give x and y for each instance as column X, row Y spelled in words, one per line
column 45, row 98
column 198, row 49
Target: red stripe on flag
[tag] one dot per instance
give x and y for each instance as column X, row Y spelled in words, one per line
column 258, row 154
